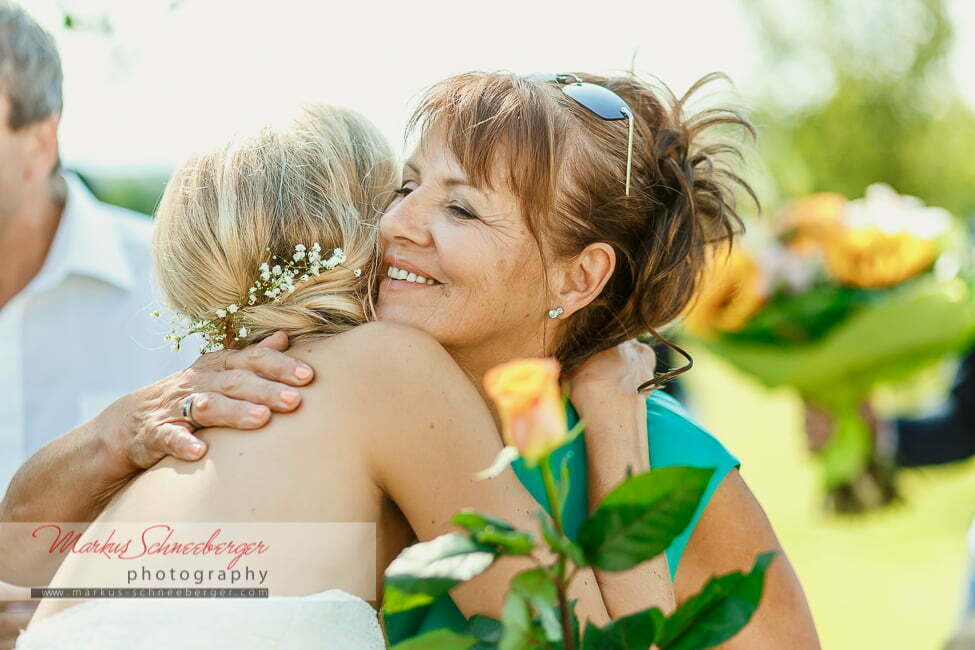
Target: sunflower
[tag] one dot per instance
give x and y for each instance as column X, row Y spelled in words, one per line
column 729, row 294
column 870, row 258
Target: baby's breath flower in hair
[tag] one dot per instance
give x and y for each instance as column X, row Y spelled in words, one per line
column 273, row 283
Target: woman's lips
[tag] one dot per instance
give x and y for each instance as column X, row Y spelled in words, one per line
column 389, row 284
column 400, row 275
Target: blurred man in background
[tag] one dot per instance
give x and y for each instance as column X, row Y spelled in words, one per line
column 75, row 287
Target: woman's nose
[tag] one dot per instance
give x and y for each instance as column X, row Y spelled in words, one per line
column 406, row 221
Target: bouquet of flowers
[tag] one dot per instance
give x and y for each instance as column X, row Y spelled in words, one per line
column 637, row 521
column 838, row 297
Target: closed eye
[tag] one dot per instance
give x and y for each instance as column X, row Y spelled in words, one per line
column 461, row 212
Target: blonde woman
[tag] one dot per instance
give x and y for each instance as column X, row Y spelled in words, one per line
column 378, row 437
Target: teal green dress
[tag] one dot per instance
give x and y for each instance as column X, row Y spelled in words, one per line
column 674, row 439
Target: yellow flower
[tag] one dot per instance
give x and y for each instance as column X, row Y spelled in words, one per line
column 874, row 242
column 812, row 219
column 729, row 294
column 526, row 392
column 886, row 238
column 870, row 258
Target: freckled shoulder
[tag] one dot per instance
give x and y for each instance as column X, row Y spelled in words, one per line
column 392, row 391
column 385, row 363
column 374, row 348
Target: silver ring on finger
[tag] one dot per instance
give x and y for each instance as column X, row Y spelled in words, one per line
column 187, row 411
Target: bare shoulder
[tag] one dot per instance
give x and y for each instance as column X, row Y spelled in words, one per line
column 381, row 355
column 733, row 530
column 395, row 386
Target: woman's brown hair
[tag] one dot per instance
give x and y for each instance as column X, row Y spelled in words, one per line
column 567, row 167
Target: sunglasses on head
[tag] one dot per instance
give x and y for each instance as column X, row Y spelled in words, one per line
column 598, row 100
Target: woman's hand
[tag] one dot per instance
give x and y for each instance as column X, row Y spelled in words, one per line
column 234, row 388
column 603, row 390
column 618, row 370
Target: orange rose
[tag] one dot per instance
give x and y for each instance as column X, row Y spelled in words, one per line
column 527, row 394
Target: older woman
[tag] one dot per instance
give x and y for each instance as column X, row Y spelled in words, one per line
column 564, row 215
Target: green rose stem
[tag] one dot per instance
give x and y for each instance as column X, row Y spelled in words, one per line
column 560, row 582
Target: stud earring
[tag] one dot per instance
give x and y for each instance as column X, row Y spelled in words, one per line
column 555, row 313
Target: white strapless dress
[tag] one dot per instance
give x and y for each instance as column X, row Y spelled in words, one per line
column 331, row 620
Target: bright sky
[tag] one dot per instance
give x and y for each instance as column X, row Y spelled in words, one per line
column 168, row 81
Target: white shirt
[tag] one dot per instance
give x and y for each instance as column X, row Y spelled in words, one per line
column 80, row 335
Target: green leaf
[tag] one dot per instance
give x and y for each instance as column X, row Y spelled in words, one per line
column 442, row 639
column 537, row 588
column 503, row 536
column 633, row 632
column 475, row 521
column 507, row 542
column 640, row 518
column 423, row 572
column 574, row 627
column 520, row 631
column 485, row 628
column 718, row 611
column 592, row 637
column 561, row 543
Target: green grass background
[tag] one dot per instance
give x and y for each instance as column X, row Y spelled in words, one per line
column 891, row 580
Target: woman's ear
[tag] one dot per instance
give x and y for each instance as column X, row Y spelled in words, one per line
column 583, row 278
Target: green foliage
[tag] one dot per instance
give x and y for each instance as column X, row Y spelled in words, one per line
column 495, row 532
column 425, row 571
column 640, row 518
column 890, row 111
column 560, row 543
column 520, row 632
column 636, row 631
column 139, row 193
column 442, row 639
column 869, row 346
column 803, row 317
column 718, row 612
column 486, row 630
column 538, row 590
column 637, row 521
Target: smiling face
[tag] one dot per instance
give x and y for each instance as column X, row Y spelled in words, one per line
column 460, row 262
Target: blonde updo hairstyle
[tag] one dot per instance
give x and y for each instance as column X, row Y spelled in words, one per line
column 323, row 177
